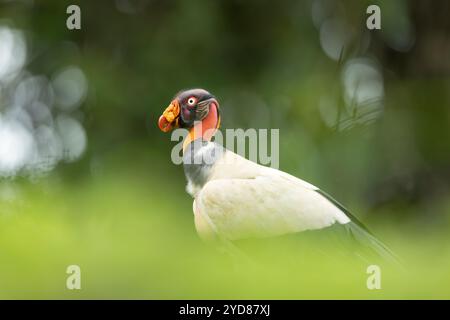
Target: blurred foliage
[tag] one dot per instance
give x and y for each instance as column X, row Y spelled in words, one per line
column 362, row 114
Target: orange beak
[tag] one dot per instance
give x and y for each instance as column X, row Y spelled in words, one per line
column 169, row 118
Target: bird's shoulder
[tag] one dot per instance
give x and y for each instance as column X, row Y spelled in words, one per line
column 234, row 166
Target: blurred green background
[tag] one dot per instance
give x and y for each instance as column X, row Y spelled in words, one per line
column 86, row 176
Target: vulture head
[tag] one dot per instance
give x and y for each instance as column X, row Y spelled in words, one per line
column 188, row 108
column 196, row 110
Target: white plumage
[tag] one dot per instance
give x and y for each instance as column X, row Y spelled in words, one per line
column 245, row 200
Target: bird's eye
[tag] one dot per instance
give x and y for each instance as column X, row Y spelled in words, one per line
column 192, row 101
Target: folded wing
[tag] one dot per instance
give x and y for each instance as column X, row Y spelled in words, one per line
column 262, row 202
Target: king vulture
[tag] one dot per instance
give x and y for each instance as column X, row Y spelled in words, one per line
column 235, row 198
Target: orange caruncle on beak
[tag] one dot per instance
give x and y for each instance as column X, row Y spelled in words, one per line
column 165, row 122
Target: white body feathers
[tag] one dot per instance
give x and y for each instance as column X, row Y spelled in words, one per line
column 242, row 199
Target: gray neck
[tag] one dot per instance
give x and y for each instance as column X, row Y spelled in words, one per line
column 198, row 161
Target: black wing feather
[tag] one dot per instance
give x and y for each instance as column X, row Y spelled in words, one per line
column 356, row 231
